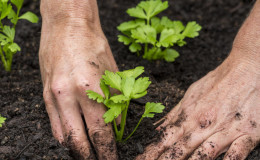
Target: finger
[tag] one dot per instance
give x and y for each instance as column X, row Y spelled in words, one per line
column 171, row 116
column 75, row 137
column 170, row 135
column 53, row 116
column 240, row 148
column 213, row 146
column 100, row 133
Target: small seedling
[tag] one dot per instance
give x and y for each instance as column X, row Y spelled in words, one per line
column 2, row 120
column 7, row 33
column 130, row 87
column 155, row 35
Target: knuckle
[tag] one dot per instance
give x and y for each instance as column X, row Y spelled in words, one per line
column 59, row 87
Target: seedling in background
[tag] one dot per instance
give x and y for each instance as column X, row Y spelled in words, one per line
column 2, row 120
column 154, row 36
column 130, row 87
column 7, row 33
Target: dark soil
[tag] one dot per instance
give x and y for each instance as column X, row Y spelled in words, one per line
column 27, row 133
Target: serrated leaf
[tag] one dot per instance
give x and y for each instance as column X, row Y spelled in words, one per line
column 135, row 47
column 2, row 120
column 112, row 79
column 14, row 47
column 170, row 55
column 9, row 32
column 18, row 3
column 152, row 108
column 119, row 98
column 95, row 96
column 156, row 23
column 153, row 7
column 192, row 30
column 4, row 39
column 139, row 95
column 29, row 16
column 13, row 17
column 105, row 89
column 168, row 38
column 128, row 86
column 141, row 85
column 6, row 9
column 144, row 34
column 127, row 26
column 136, row 12
column 166, row 22
column 114, row 111
column 124, row 39
column 177, row 26
column 132, row 72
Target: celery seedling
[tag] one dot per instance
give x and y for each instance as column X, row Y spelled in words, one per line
column 2, row 120
column 7, row 33
column 131, row 88
column 153, row 35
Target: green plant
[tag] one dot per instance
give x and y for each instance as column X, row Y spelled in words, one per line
column 7, row 33
column 160, row 34
column 131, row 88
column 2, row 120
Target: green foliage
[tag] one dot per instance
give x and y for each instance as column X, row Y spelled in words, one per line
column 152, row 35
column 2, row 120
column 7, row 33
column 130, row 87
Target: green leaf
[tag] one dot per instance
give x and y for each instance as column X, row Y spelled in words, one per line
column 14, row 47
column 139, row 95
column 192, row 30
column 166, row 22
column 9, row 32
column 141, row 85
column 170, row 55
column 156, row 24
column 29, row 16
column 167, row 38
column 18, row 3
column 114, row 111
column 124, row 39
column 148, row 9
column 2, row 120
column 127, row 26
column 151, row 108
column 105, row 89
column 132, row 72
column 112, row 79
column 6, row 9
column 135, row 47
column 177, row 26
column 144, row 34
column 4, row 39
column 119, row 98
column 127, row 85
column 95, row 96
column 13, row 17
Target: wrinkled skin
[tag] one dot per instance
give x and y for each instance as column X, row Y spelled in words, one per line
column 74, row 53
column 220, row 112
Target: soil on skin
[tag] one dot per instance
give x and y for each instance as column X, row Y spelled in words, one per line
column 27, row 132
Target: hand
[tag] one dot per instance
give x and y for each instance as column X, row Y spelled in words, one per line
column 73, row 55
column 220, row 112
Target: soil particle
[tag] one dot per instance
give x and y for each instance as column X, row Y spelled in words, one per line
column 253, row 124
column 94, row 64
column 238, row 116
column 176, row 152
column 181, row 118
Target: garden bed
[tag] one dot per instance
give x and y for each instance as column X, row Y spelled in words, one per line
column 27, row 132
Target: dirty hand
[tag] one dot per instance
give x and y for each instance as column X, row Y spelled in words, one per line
column 220, row 112
column 74, row 53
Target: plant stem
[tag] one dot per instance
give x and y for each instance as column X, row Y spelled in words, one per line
column 133, row 130
column 122, row 125
column 5, row 63
column 115, row 127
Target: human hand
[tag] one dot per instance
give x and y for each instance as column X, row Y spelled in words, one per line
column 74, row 53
